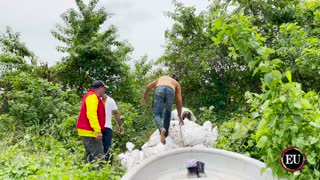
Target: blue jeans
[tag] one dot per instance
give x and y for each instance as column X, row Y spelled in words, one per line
column 107, row 142
column 163, row 101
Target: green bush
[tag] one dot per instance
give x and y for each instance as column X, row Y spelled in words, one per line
column 44, row 157
column 33, row 101
column 237, row 135
column 206, row 114
column 283, row 115
column 138, row 123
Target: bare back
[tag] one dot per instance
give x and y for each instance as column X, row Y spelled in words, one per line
column 168, row 81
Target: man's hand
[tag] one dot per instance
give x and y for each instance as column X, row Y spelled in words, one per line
column 99, row 136
column 181, row 121
column 121, row 130
column 143, row 101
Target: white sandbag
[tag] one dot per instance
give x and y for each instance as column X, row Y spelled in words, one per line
column 159, row 148
column 174, row 114
column 141, row 156
column 207, row 126
column 215, row 135
column 189, row 134
column 154, row 139
column 148, row 151
column 152, row 150
column 170, row 144
column 134, row 158
column 129, row 146
column 210, row 137
column 123, row 157
column 176, row 134
column 193, row 133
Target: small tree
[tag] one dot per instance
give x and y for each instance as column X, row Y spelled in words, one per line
column 92, row 53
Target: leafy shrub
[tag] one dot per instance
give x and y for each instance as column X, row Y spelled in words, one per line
column 206, row 114
column 138, row 123
column 236, row 135
column 43, row 157
column 33, row 101
column 286, row 115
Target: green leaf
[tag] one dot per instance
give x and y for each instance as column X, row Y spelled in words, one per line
column 276, row 61
column 288, row 75
column 296, row 173
column 39, row 172
column 270, row 51
column 255, row 71
column 248, row 56
column 216, row 40
column 311, row 160
column 312, row 140
column 305, row 103
column 268, row 78
column 265, row 105
column 262, row 141
column 310, row 94
column 218, row 24
column 263, row 67
column 282, row 98
column 255, row 114
column 315, row 124
column 262, row 51
column 297, row 105
column 65, row 177
column 300, row 142
column 252, row 64
column 294, row 128
column 296, row 119
column 276, row 75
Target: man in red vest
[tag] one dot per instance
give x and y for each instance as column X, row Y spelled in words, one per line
column 91, row 121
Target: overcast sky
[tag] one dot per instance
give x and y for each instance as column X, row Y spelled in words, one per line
column 140, row 22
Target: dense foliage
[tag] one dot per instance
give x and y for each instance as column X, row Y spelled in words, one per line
column 282, row 115
column 209, row 76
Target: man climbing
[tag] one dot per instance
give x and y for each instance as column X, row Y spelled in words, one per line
column 166, row 89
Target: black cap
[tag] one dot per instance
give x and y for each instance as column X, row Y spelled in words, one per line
column 98, row 84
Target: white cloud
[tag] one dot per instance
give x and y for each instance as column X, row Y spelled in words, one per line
column 140, row 22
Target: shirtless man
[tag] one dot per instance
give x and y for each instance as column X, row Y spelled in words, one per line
column 166, row 89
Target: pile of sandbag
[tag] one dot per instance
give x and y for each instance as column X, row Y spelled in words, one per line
column 190, row 134
column 174, row 114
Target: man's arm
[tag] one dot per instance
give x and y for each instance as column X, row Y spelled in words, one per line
column 147, row 90
column 179, row 102
column 92, row 106
column 117, row 116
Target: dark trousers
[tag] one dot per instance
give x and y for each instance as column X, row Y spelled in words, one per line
column 107, row 142
column 93, row 149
